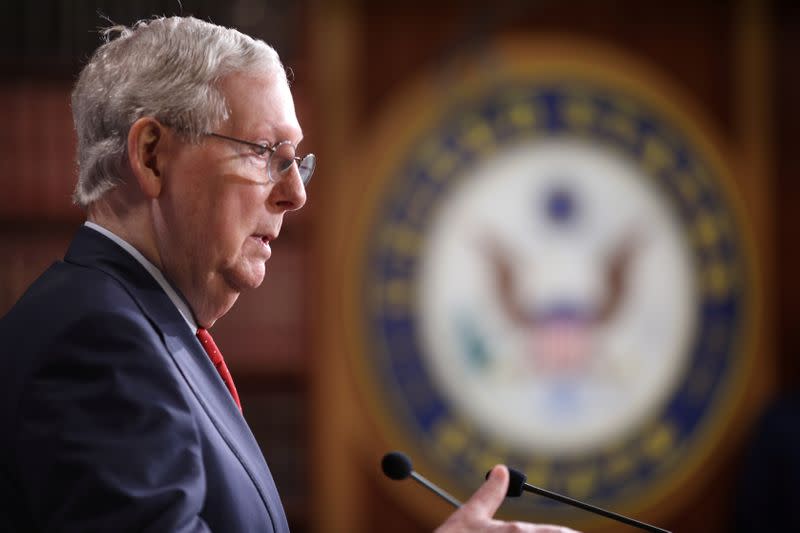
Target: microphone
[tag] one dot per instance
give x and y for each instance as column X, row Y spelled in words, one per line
column 397, row 466
column 517, row 483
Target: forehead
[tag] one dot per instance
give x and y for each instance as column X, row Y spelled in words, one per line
column 260, row 107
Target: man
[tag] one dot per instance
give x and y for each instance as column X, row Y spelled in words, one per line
column 118, row 411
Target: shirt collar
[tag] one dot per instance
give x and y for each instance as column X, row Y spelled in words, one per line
column 177, row 300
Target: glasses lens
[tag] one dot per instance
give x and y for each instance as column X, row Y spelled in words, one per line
column 281, row 161
column 306, row 167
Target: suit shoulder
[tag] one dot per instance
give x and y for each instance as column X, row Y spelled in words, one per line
column 70, row 289
column 68, row 301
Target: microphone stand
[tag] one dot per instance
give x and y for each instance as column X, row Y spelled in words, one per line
column 436, row 490
column 591, row 508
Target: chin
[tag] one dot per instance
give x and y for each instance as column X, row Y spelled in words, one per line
column 217, row 311
column 247, row 279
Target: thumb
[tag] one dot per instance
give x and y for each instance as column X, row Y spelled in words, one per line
column 488, row 498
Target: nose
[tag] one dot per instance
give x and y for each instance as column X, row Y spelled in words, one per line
column 289, row 194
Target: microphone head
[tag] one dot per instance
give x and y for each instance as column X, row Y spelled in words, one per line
column 396, row 465
column 516, row 480
column 515, row 483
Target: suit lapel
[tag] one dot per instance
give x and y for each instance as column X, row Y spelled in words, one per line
column 91, row 249
column 216, row 400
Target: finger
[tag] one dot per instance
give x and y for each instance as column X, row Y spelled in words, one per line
column 537, row 528
column 490, row 495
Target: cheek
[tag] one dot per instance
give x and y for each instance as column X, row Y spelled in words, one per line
column 235, row 217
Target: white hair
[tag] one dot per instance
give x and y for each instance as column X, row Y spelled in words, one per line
column 167, row 68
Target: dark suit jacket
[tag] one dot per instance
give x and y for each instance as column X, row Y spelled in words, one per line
column 113, row 418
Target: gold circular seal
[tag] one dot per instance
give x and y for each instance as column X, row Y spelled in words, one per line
column 546, row 266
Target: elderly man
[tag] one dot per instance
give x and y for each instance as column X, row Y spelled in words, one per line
column 118, row 411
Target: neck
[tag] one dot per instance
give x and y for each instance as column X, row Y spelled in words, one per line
column 135, row 223
column 129, row 223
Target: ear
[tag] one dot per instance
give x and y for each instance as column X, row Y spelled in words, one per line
column 147, row 143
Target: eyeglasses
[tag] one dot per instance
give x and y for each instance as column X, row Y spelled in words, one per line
column 281, row 158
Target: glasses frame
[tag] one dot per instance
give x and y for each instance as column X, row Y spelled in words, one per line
column 261, row 149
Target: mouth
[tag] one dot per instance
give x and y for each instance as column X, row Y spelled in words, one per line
column 263, row 238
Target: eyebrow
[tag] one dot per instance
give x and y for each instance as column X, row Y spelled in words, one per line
column 279, row 133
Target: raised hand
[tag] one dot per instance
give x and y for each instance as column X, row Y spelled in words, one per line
column 476, row 515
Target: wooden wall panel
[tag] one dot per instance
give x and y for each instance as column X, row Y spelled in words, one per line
column 786, row 108
column 25, row 252
column 37, row 147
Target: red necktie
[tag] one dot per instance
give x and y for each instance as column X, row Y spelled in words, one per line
column 216, row 357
